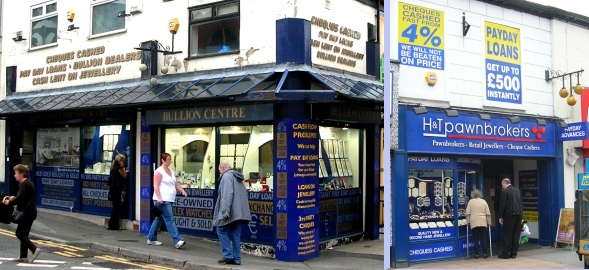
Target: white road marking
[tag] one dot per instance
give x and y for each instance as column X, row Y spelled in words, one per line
column 37, row 265
column 88, row 268
column 47, row 261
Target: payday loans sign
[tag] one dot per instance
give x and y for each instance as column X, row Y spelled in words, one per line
column 503, row 63
column 436, row 133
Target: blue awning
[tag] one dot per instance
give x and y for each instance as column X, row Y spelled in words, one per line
column 252, row 83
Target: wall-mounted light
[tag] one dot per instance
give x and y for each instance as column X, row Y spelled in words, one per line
column 164, row 70
column 452, row 113
column 153, row 81
column 123, row 14
column 71, row 27
column 484, row 116
column 541, row 122
column 514, row 119
column 419, row 110
column 563, row 124
column 18, row 36
column 564, row 93
column 143, row 67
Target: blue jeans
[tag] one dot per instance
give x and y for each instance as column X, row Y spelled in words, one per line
column 228, row 234
column 167, row 217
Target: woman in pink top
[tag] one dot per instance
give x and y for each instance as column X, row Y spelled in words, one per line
column 164, row 195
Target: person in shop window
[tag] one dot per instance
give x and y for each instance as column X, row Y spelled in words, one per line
column 231, row 212
column 478, row 217
column 117, row 181
column 510, row 216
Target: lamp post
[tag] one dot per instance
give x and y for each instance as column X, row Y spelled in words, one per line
column 564, row 93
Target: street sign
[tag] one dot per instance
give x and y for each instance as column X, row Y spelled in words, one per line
column 583, row 181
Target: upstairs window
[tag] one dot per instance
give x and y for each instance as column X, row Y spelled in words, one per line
column 43, row 24
column 214, row 29
column 105, row 16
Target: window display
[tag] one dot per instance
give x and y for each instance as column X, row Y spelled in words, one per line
column 102, row 144
column 431, row 198
column 247, row 148
column 338, row 158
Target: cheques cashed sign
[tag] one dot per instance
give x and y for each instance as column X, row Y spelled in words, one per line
column 434, row 132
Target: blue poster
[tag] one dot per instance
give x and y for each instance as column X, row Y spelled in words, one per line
column 431, row 251
column 58, row 188
column 95, row 194
column 435, row 133
column 260, row 229
column 296, row 197
column 431, row 234
column 503, row 82
column 194, row 214
column 575, row 131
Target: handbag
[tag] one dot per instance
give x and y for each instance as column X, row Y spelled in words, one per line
column 156, row 211
column 17, row 215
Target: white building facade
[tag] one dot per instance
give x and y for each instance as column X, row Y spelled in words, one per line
column 204, row 81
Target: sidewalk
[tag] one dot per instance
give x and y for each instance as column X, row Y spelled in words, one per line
column 198, row 253
column 537, row 257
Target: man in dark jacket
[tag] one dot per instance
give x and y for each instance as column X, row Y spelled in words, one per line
column 232, row 210
column 510, row 216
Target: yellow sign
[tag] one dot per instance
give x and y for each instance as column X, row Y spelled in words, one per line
column 431, row 78
column 530, row 216
column 566, row 226
column 585, row 181
column 421, row 26
column 502, row 43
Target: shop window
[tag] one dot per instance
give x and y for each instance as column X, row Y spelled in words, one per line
column 431, row 199
column 214, row 29
column 105, row 16
column 58, row 147
column 102, row 144
column 43, row 24
column 339, row 158
column 193, row 155
column 247, row 148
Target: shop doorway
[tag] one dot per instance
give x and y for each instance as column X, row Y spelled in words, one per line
column 495, row 170
column 21, row 152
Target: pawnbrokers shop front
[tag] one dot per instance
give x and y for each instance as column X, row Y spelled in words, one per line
column 306, row 139
column 441, row 159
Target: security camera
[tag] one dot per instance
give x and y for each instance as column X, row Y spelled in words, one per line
column 18, row 36
column 122, row 13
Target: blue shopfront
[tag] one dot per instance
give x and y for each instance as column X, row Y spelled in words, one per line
column 443, row 156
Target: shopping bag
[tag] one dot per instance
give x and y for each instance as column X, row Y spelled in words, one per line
column 6, row 213
column 156, row 211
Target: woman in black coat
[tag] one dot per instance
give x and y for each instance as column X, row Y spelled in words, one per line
column 116, row 182
column 24, row 201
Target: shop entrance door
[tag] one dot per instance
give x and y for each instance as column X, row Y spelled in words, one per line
column 495, row 170
column 21, row 152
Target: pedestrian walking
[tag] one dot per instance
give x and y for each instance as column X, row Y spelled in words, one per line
column 24, row 201
column 117, row 182
column 164, row 195
column 478, row 217
column 510, row 216
column 231, row 212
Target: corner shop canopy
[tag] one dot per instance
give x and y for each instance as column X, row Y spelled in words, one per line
column 250, row 83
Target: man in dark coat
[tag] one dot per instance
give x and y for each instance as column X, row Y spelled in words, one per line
column 510, row 216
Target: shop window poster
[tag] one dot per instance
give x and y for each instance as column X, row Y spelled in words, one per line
column 58, row 147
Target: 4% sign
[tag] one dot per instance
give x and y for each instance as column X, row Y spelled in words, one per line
column 411, row 33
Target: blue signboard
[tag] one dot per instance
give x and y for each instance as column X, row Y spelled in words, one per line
column 194, row 214
column 95, row 194
column 58, row 188
column 583, row 181
column 436, row 133
column 575, row 131
column 431, row 251
column 462, row 246
column 297, row 191
column 260, row 229
column 431, row 234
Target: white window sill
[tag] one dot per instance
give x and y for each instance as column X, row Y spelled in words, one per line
column 43, row 47
column 124, row 30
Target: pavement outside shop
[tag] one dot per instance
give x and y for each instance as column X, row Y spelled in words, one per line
column 89, row 231
column 530, row 256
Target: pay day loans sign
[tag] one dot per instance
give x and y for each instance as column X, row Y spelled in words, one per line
column 503, row 63
column 421, row 36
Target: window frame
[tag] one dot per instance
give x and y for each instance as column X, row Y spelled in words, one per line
column 41, row 17
column 95, row 3
column 214, row 17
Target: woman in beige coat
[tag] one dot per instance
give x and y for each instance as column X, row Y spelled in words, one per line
column 478, row 217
